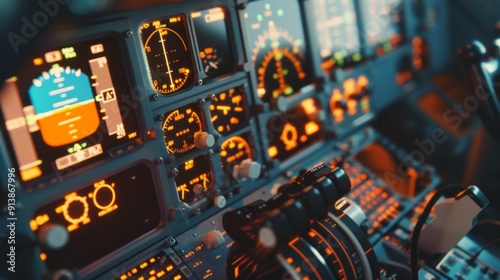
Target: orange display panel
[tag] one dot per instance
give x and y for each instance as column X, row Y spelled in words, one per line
column 294, row 130
column 125, row 202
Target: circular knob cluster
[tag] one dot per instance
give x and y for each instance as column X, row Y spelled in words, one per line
column 247, row 169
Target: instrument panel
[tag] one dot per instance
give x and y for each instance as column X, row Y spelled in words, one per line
column 134, row 131
column 68, row 108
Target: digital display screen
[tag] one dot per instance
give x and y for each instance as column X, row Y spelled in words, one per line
column 194, row 179
column 213, row 42
column 383, row 23
column 68, row 107
column 168, row 54
column 99, row 218
column 279, row 48
column 228, row 111
column 337, row 31
column 294, row 130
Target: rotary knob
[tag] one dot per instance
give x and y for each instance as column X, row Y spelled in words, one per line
column 203, row 140
column 220, row 201
column 53, row 236
column 247, row 169
column 213, row 239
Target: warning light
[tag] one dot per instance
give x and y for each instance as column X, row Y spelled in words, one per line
column 38, row 61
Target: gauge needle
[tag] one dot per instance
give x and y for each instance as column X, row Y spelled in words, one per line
column 213, row 65
column 169, row 72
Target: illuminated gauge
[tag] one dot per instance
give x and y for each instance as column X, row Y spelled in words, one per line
column 64, row 106
column 104, row 196
column 194, row 179
column 279, row 52
column 337, row 32
column 228, row 111
column 294, row 130
column 213, row 42
column 76, row 209
column 352, row 101
column 383, row 23
column 236, row 157
column 169, row 58
column 183, row 131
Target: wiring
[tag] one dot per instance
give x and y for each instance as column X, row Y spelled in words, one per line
column 474, row 257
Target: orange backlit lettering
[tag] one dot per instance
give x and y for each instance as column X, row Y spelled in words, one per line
column 189, row 164
column 311, row 128
column 189, row 254
column 132, row 135
column 31, row 173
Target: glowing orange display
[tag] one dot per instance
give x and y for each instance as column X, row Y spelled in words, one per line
column 295, row 129
column 180, row 127
column 352, row 100
column 227, row 110
column 194, row 179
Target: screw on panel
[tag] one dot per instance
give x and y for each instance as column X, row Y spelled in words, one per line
column 174, row 172
column 171, row 241
column 128, row 33
column 154, row 97
column 210, row 153
column 158, row 160
column 181, row 252
column 210, row 97
column 160, row 117
column 200, row 101
column 200, row 82
column 171, row 159
column 196, row 211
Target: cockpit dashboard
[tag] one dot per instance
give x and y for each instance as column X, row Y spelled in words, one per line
column 128, row 130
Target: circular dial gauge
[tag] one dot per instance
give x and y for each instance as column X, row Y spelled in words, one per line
column 194, row 179
column 279, row 52
column 180, row 127
column 169, row 59
column 228, row 111
column 233, row 151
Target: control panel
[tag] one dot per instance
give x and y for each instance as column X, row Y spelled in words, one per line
column 226, row 139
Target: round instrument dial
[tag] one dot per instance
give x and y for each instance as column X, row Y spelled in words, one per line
column 235, row 150
column 194, row 179
column 236, row 159
column 280, row 72
column 228, row 111
column 180, row 128
column 169, row 59
column 279, row 52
